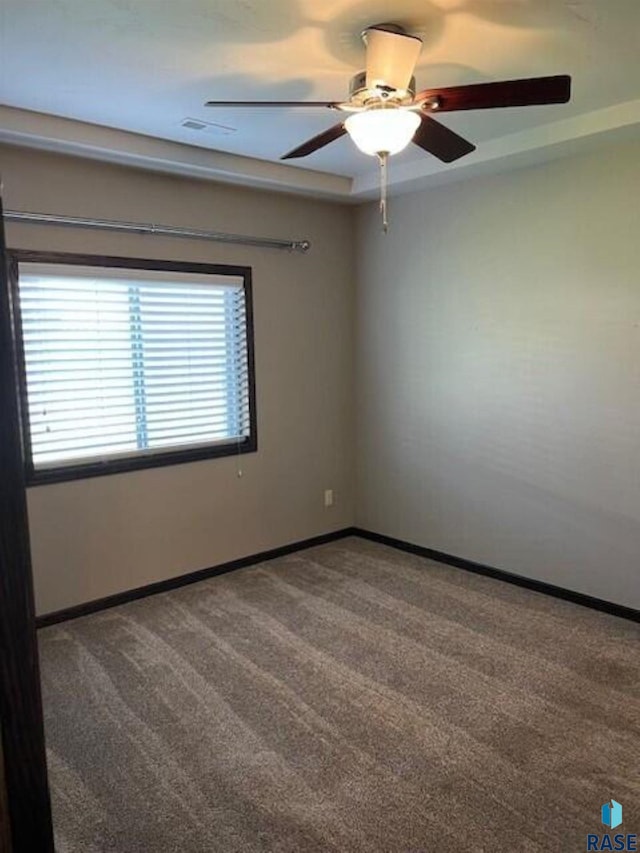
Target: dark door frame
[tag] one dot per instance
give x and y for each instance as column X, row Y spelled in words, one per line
column 21, row 719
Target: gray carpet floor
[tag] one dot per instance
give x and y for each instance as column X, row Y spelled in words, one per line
column 346, row 698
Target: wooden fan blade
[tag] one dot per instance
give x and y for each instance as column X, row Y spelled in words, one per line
column 440, row 141
column 332, row 105
column 317, row 142
column 507, row 93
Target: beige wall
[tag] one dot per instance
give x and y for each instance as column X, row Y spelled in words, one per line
column 94, row 537
column 498, row 372
column 498, row 377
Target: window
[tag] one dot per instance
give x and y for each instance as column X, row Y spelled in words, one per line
column 127, row 364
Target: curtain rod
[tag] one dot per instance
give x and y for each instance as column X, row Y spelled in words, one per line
column 158, row 230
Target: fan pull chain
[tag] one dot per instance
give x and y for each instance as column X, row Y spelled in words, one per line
column 383, row 157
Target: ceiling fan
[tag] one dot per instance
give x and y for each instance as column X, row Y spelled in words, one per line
column 386, row 112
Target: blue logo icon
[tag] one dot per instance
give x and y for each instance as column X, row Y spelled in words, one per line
column 612, row 814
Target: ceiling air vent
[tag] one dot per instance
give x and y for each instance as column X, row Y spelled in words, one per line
column 207, row 127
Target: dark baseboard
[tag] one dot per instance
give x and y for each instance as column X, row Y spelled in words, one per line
column 399, row 544
column 499, row 574
column 183, row 580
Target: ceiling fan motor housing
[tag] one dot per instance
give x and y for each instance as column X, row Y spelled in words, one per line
column 359, row 93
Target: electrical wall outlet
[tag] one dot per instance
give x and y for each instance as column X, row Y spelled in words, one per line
column 328, row 497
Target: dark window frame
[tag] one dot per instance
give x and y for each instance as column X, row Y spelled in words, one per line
column 156, row 459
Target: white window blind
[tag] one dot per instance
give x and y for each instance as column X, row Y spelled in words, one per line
column 125, row 362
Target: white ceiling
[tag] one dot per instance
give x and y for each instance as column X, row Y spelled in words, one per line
column 143, row 66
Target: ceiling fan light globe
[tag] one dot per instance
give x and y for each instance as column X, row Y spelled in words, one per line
column 382, row 131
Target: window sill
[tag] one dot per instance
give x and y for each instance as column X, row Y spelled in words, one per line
column 85, row 470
